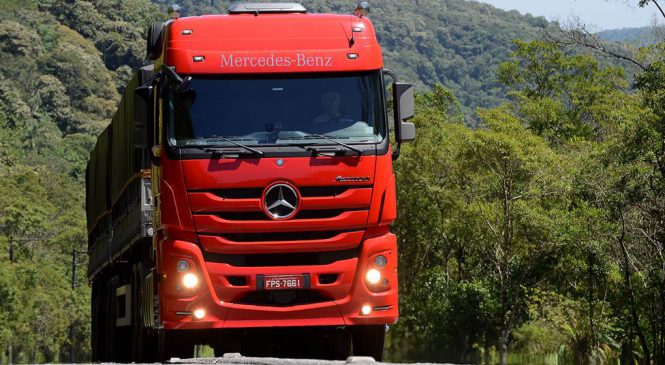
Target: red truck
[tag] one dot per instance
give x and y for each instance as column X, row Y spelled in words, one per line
column 243, row 193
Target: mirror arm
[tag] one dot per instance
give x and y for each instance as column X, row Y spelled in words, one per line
column 170, row 71
column 389, row 72
column 180, row 84
column 396, row 152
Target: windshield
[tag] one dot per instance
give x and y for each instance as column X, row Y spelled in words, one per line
column 277, row 110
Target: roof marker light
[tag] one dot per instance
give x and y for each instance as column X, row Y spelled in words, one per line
column 352, row 56
column 199, row 58
column 357, row 29
column 186, row 32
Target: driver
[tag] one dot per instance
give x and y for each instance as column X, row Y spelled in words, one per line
column 330, row 102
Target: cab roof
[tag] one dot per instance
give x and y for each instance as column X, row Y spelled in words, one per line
column 276, row 34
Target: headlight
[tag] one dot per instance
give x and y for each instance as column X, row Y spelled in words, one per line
column 190, row 281
column 373, row 276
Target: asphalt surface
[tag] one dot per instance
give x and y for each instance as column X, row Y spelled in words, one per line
column 241, row 360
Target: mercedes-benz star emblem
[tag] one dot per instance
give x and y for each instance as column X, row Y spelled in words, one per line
column 280, row 201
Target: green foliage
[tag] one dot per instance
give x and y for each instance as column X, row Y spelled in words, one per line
column 562, row 96
column 550, row 213
column 58, row 87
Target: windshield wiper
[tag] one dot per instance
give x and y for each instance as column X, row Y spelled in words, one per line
column 224, row 139
column 319, row 136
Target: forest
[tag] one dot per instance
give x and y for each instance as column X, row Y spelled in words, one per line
column 531, row 206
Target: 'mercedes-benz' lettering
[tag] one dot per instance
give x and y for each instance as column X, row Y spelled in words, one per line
column 299, row 60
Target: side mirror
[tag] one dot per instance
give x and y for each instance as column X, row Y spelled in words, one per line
column 404, row 109
column 154, row 41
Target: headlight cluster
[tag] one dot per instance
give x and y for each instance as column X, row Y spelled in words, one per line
column 189, row 280
column 373, row 275
column 374, row 278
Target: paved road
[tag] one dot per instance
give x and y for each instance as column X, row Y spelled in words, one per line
column 241, row 360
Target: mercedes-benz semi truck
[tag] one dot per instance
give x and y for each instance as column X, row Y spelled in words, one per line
column 243, row 193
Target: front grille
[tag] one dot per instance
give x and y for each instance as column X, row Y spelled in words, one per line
column 283, row 298
column 240, row 193
column 318, row 191
column 280, row 236
column 261, row 216
column 235, row 211
column 290, row 259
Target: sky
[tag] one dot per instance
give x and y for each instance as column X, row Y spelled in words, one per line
column 602, row 14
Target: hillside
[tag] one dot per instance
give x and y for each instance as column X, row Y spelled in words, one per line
column 638, row 36
column 63, row 65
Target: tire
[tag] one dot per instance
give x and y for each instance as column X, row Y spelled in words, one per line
column 108, row 317
column 172, row 344
column 117, row 339
column 369, row 341
column 337, row 345
column 97, row 328
column 144, row 346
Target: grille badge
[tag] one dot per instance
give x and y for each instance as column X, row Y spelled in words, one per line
column 280, row 201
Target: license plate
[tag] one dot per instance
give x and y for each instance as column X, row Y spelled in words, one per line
column 283, row 282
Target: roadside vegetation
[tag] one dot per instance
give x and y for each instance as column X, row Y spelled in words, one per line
column 538, row 236
column 531, row 206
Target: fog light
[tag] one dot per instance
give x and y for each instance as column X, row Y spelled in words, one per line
column 199, row 313
column 190, row 281
column 366, row 310
column 182, row 266
column 373, row 276
column 380, row 261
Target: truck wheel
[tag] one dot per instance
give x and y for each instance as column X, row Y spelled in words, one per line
column 117, row 346
column 337, row 345
column 174, row 345
column 369, row 340
column 97, row 329
column 143, row 345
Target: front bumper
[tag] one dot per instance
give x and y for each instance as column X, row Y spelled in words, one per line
column 223, row 302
